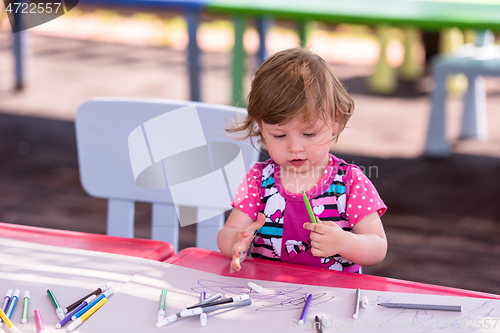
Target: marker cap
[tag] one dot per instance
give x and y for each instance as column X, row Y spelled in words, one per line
column 161, row 315
column 166, row 321
column 191, row 312
column 240, row 298
column 60, row 313
column 14, row 329
column 75, row 324
column 255, row 287
column 364, row 302
column 107, row 285
column 203, row 319
column 109, row 292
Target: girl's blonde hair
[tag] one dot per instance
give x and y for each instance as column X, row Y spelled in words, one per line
column 290, row 83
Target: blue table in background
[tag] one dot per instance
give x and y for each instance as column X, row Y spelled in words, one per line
column 191, row 9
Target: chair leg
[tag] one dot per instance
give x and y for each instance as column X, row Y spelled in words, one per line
column 383, row 80
column 263, row 26
column 436, row 144
column 207, row 230
column 21, row 47
column 164, row 224
column 192, row 18
column 120, row 218
column 474, row 119
column 238, row 62
column 411, row 69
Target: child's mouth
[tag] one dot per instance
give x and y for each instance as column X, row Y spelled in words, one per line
column 297, row 162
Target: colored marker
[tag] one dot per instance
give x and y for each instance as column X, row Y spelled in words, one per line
column 39, row 322
column 96, row 292
column 104, row 295
column 163, row 300
column 208, row 300
column 318, row 325
column 304, row 310
column 87, row 314
column 207, row 309
column 199, row 310
column 168, row 320
column 203, row 316
column 12, row 303
column 59, row 311
column 69, row 316
column 6, row 300
column 309, row 208
column 10, row 325
column 238, row 298
column 356, row 304
column 457, row 308
column 24, row 319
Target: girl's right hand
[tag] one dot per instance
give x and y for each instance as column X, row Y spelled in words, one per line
column 245, row 237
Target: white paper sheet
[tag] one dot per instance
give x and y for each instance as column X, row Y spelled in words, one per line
column 72, row 273
column 278, row 307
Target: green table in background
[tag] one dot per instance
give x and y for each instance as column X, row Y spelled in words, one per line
column 430, row 15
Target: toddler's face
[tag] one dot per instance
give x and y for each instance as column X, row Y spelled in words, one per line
column 299, row 147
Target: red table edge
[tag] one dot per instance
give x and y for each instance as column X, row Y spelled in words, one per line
column 217, row 263
column 136, row 247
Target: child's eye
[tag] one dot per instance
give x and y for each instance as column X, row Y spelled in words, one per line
column 278, row 136
column 309, row 134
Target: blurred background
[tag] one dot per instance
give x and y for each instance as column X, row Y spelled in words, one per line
column 443, row 218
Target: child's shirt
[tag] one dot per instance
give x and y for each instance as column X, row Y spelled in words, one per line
column 343, row 195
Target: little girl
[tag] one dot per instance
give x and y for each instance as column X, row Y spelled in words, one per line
column 296, row 108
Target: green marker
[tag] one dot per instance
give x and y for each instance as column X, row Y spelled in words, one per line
column 59, row 311
column 309, row 208
column 163, row 300
column 24, row 319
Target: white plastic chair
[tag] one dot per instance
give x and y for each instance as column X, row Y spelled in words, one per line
column 103, row 127
column 474, row 62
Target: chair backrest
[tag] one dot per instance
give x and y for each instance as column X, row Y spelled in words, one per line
column 110, row 168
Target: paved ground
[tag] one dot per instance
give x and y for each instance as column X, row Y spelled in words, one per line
column 443, row 222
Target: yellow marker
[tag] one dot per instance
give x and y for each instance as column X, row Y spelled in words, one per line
column 87, row 314
column 7, row 321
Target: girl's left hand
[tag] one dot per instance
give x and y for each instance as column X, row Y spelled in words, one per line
column 327, row 238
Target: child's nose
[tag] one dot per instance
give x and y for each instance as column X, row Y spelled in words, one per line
column 295, row 146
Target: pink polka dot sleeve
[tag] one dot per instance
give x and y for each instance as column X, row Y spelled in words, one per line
column 364, row 198
column 247, row 198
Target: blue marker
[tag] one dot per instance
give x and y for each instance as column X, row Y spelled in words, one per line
column 203, row 316
column 6, row 300
column 78, row 308
column 302, row 319
column 12, row 303
column 105, row 294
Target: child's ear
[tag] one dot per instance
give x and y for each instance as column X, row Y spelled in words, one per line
column 335, row 128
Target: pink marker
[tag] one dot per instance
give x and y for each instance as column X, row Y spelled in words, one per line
column 39, row 322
